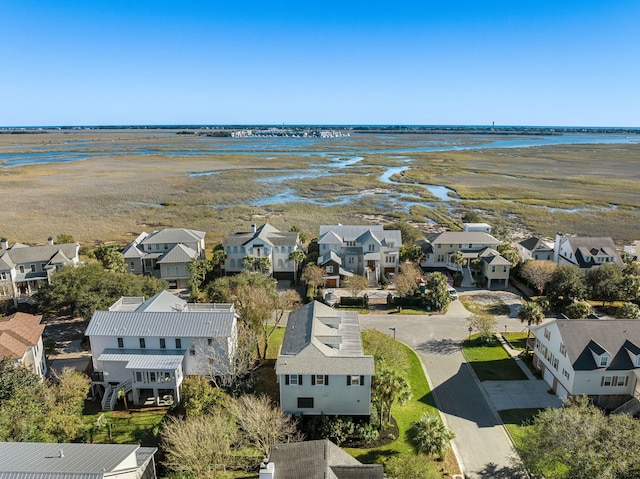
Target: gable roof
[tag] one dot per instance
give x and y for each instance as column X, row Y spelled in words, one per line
column 266, row 232
column 536, row 244
column 19, row 332
column 585, row 337
column 53, row 460
column 330, row 256
column 492, row 257
column 463, row 238
column 587, row 247
column 194, row 324
column 21, row 254
column 320, row 338
column 359, row 233
column 178, row 254
column 174, row 235
column 320, row 459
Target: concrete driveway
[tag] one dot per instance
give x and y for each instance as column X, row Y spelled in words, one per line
column 520, row 394
column 481, row 441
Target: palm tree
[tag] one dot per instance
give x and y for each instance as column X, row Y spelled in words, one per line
column 122, row 394
column 218, row 259
column 531, row 313
column 457, row 259
column 297, row 257
column 388, row 387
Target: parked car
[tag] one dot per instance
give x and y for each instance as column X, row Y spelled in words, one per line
column 452, row 292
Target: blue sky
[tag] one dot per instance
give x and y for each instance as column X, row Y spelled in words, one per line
column 424, row 62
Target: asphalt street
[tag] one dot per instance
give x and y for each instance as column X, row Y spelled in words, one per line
column 481, row 443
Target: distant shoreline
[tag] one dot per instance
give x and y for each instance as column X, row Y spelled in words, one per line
column 353, row 129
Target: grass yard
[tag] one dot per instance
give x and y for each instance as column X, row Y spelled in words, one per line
column 136, row 426
column 490, row 361
column 516, row 340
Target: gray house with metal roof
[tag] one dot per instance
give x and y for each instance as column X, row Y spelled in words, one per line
column 36, row 460
column 321, row 368
column 264, row 242
column 23, row 269
column 597, row 358
column 147, row 347
column 366, row 250
column 165, row 254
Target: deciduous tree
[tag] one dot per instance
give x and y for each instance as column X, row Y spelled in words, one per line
column 314, row 276
column 578, row 310
column 200, row 446
column 484, row 323
column 628, row 311
column 604, row 282
column 356, row 284
column 407, row 280
column 262, row 424
column 566, row 286
column 538, row 273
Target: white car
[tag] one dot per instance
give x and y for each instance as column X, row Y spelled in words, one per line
column 452, row 292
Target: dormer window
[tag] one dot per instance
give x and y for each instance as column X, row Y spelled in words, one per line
column 604, row 361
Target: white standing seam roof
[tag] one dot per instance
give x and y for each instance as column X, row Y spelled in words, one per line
column 143, row 361
column 177, row 324
column 50, row 460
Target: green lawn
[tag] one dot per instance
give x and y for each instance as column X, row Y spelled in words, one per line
column 490, row 361
column 422, row 401
column 136, row 426
column 516, row 340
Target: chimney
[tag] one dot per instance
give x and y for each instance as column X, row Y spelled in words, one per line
column 50, row 240
column 267, row 470
column 556, row 247
column 4, row 242
column 253, row 228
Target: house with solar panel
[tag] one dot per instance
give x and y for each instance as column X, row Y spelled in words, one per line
column 321, row 368
column 165, row 254
column 147, row 347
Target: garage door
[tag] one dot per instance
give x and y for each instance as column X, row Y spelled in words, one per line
column 561, row 392
column 548, row 377
column 331, row 283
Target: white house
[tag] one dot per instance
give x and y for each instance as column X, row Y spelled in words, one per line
column 21, row 340
column 165, row 254
column 363, row 250
column 23, row 269
column 585, row 252
column 473, row 244
column 321, row 368
column 35, row 460
column 535, row 248
column 147, row 347
column 597, row 358
column 263, row 242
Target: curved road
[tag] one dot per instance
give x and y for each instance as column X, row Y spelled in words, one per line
column 481, row 441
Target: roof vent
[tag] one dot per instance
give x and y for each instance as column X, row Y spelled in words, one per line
column 61, row 453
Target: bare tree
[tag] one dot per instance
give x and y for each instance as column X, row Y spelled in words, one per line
column 262, row 424
column 538, row 273
column 230, row 367
column 407, row 280
column 199, row 446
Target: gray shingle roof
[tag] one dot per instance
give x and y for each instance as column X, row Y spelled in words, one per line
column 267, row 233
column 586, row 247
column 535, row 244
column 21, row 254
column 174, row 235
column 160, row 324
column 85, row 459
column 614, row 336
column 319, row 460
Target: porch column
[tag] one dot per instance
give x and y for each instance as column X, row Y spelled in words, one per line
column 176, row 395
column 136, row 396
column 156, row 398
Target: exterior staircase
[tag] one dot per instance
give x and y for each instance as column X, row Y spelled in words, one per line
column 632, row 407
column 110, row 397
column 467, row 278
